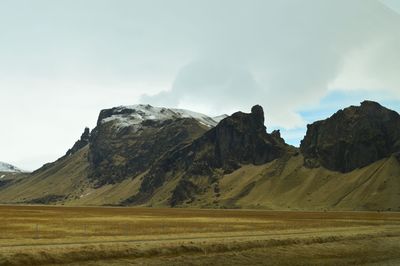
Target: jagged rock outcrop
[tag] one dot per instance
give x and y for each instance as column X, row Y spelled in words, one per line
column 239, row 139
column 82, row 142
column 79, row 144
column 352, row 138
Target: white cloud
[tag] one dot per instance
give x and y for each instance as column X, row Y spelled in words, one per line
column 63, row 61
column 288, row 55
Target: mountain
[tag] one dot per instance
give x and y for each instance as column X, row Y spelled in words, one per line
column 125, row 142
column 10, row 174
column 151, row 156
column 128, row 140
column 8, row 168
column 236, row 140
column 352, row 138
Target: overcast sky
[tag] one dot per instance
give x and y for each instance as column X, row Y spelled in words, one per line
column 63, row 61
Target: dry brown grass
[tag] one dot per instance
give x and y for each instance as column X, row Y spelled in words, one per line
column 53, row 235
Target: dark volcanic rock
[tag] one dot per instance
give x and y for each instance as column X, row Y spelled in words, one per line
column 258, row 114
column 82, row 142
column 184, row 191
column 119, row 153
column 239, row 139
column 352, row 138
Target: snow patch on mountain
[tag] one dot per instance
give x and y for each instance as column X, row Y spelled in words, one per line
column 128, row 116
column 219, row 118
column 8, row 168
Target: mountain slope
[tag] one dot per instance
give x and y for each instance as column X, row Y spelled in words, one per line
column 288, row 185
column 61, row 181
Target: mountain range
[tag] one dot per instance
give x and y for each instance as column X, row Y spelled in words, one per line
column 151, row 156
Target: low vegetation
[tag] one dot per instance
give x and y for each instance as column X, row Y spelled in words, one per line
column 33, row 235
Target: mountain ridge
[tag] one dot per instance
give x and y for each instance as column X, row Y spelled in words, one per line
column 181, row 161
column 6, row 167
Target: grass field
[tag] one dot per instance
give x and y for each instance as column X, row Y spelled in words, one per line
column 37, row 235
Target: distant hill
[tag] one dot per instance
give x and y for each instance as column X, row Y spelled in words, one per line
column 9, row 174
column 151, row 156
column 8, row 168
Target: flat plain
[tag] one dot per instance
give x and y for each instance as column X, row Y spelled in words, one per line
column 43, row 235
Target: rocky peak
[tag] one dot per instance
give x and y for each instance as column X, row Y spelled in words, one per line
column 243, row 138
column 85, row 135
column 370, row 104
column 258, row 113
column 352, row 138
column 82, row 142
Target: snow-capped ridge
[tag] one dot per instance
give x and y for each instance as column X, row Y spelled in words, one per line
column 136, row 114
column 8, row 168
column 219, row 117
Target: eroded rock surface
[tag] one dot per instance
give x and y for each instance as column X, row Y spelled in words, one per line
column 352, row 138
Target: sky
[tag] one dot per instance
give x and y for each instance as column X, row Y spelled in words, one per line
column 63, row 61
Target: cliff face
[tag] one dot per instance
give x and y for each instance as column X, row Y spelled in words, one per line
column 352, row 138
column 127, row 141
column 238, row 139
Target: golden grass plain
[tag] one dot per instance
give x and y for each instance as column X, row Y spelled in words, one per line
column 43, row 235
